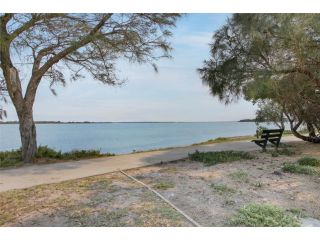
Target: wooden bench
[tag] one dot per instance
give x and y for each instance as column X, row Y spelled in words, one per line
column 271, row 135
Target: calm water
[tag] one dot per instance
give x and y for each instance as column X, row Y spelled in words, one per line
column 124, row 137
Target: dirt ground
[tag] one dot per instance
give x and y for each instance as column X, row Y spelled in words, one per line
column 211, row 195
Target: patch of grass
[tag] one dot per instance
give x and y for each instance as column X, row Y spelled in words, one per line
column 263, row 215
column 224, row 139
column 163, row 185
column 239, row 176
column 297, row 212
column 309, row 161
column 300, row 169
column 221, row 188
column 46, row 155
column 212, row 158
column 282, row 151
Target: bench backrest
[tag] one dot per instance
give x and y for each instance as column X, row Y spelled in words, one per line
column 272, row 133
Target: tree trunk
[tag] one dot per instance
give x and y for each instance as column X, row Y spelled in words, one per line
column 28, row 135
column 314, row 139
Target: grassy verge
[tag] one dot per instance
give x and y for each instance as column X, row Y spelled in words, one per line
column 225, row 139
column 263, row 215
column 47, row 155
column 211, row 158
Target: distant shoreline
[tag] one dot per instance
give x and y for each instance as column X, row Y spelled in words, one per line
column 88, row 122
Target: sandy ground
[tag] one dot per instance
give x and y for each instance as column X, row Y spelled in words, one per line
column 114, row 200
column 250, row 181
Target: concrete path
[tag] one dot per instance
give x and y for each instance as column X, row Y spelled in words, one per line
column 52, row 173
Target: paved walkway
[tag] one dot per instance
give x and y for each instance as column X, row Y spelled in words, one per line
column 52, row 173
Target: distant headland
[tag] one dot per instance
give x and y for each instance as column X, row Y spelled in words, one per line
column 247, row 120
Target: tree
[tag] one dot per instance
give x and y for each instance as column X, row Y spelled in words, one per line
column 54, row 43
column 270, row 112
column 269, row 57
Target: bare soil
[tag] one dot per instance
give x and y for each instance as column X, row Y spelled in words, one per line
column 211, row 195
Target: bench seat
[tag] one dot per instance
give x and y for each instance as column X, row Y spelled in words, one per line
column 269, row 135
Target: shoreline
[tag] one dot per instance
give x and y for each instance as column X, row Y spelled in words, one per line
column 47, row 160
column 102, row 122
column 207, row 142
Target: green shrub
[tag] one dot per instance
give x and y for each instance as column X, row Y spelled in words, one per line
column 263, row 215
column 211, row 158
column 300, row 169
column 46, row 152
column 10, row 158
column 13, row 158
column 309, row 161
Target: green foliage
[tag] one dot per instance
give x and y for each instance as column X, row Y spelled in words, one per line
column 222, row 188
column 263, row 215
column 270, row 112
column 268, row 58
column 163, row 185
column 10, row 158
column 212, row 158
column 309, row 161
column 300, row 169
column 13, row 158
column 46, row 152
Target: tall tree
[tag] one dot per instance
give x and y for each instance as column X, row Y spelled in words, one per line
column 274, row 57
column 80, row 43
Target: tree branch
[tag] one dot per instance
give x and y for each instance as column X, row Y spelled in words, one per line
column 36, row 77
column 32, row 22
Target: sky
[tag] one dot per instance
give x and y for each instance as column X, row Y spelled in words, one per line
column 175, row 93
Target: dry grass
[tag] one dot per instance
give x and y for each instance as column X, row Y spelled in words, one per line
column 106, row 200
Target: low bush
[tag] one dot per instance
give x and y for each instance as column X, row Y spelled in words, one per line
column 263, row 215
column 300, row 169
column 309, row 161
column 13, row 158
column 212, row 158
